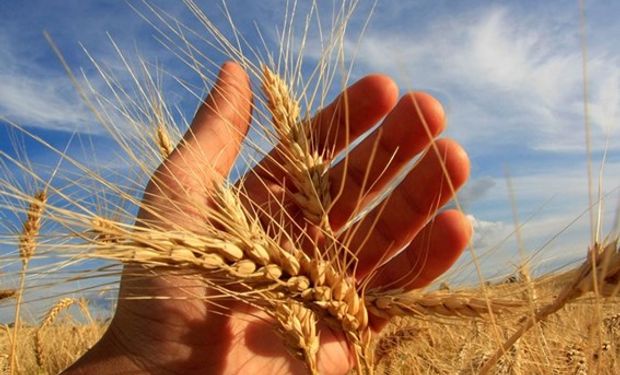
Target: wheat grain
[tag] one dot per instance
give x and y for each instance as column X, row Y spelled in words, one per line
column 163, row 141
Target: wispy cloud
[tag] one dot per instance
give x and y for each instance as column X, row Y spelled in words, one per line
column 505, row 76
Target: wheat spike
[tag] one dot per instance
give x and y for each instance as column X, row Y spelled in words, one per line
column 510, row 363
column 27, row 246
column 307, row 169
column 257, row 261
column 440, row 303
column 32, row 225
column 163, row 141
column 612, row 325
column 49, row 319
column 297, row 325
column 576, row 360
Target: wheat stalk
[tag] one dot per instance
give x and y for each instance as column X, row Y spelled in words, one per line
column 27, row 246
column 49, row 319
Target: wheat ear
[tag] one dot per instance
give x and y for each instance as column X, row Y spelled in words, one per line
column 315, row 283
column 306, row 167
column 297, row 325
column 612, row 324
column 163, row 141
column 27, row 246
column 49, row 319
column 602, row 266
column 390, row 304
column 32, row 225
column 243, row 252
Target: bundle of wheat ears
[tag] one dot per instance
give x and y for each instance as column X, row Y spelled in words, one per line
column 299, row 271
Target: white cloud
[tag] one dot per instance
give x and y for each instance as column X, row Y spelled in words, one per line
column 48, row 102
column 507, row 76
column 488, row 233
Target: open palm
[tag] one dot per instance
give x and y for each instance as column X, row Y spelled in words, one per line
column 180, row 333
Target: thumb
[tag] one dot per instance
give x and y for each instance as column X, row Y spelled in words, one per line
column 208, row 149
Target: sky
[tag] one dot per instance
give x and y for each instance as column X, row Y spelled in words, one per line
column 509, row 74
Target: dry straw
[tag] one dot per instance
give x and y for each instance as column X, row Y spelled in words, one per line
column 599, row 273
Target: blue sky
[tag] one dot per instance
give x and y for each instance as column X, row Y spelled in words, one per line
column 509, row 74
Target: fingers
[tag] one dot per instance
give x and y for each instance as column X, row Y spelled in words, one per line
column 407, row 130
column 355, row 111
column 206, row 153
column 392, row 225
column 430, row 254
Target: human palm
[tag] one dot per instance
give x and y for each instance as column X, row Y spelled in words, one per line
column 178, row 332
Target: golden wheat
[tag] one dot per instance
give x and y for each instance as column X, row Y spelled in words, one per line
column 163, row 141
column 452, row 304
column 32, row 225
column 27, row 247
column 601, row 266
column 297, row 325
column 238, row 253
column 49, row 319
column 305, row 166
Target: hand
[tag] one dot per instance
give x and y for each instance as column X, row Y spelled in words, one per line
column 186, row 335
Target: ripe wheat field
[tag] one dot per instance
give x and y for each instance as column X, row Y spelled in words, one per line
column 69, row 230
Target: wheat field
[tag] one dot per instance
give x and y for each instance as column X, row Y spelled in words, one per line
column 263, row 232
